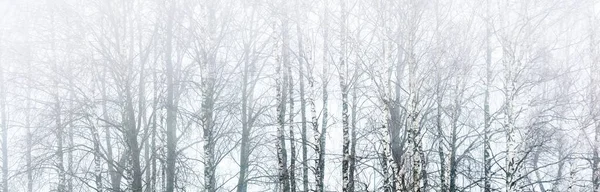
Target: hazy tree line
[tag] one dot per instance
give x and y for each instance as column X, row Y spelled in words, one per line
column 292, row 95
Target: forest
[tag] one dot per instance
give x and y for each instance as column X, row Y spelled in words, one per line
column 299, row 95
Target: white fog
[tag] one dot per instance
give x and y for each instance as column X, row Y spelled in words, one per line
column 299, row 95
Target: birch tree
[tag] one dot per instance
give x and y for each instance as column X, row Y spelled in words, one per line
column 343, row 73
column 190, row 95
column 170, row 102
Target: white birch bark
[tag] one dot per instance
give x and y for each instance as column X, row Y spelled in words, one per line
column 281, row 84
column 342, row 71
column 320, row 149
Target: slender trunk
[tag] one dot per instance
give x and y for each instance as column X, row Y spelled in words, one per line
column 315, row 127
column 454, row 140
column 439, row 96
column 441, row 149
column 535, row 161
column 147, row 162
column 352, row 163
column 153, row 159
column 593, row 92
column 414, row 128
column 28, row 156
column 209, row 83
column 292, row 170
column 559, row 172
column 137, row 125
column 346, row 183
column 281, row 99
column 114, row 170
column 571, row 179
column 245, row 148
column 440, row 131
column 57, row 118
column 162, row 174
column 388, row 177
column 509, row 62
column 301, row 58
column 208, row 125
column 96, row 146
column 4, row 130
column 115, row 179
column 170, row 104
column 97, row 160
column 281, row 150
column 511, row 144
column 71, row 143
column 487, row 159
column 511, row 159
column 424, row 172
column 29, row 134
column 148, row 171
column 317, row 134
column 132, row 141
column 303, row 114
column 59, row 148
column 414, row 132
column 596, row 153
column 323, row 132
column 70, row 156
column 322, row 136
column 393, row 179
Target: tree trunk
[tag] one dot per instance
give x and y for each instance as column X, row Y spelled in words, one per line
column 132, row 141
column 245, row 148
column 440, row 131
column 209, row 83
column 571, row 178
column 395, row 178
column 4, row 130
column 59, row 148
column 352, row 163
column 511, row 144
column 319, row 173
column 71, row 145
column 61, row 187
column 393, row 152
column 315, row 127
column 301, row 59
column 292, row 170
column 281, row 101
column 114, row 168
column 153, row 170
column 281, row 151
column 487, row 154
column 414, row 134
column 322, row 133
column 208, row 125
column 97, row 159
column 28, row 156
column 509, row 62
column 170, row 103
column 346, row 183
column 593, row 92
column 559, row 172
column 453, row 140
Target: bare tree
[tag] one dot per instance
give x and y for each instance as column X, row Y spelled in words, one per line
column 4, row 125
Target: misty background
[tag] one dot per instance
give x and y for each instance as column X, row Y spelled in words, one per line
column 299, row 95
